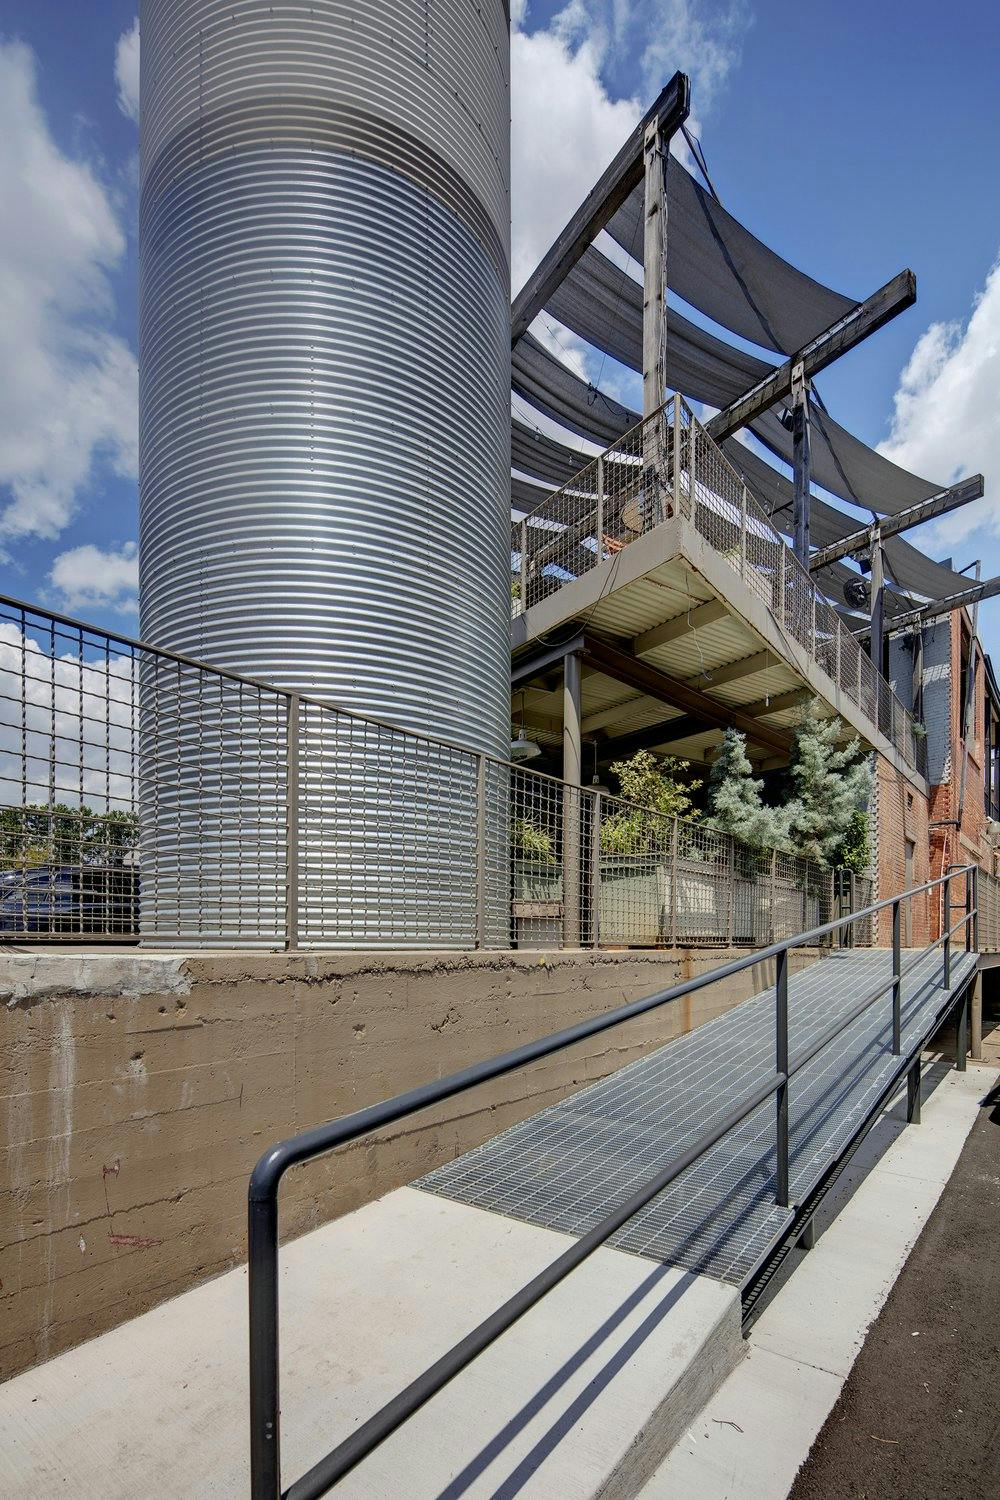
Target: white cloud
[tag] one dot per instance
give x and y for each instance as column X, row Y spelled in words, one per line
column 567, row 123
column 85, row 577
column 127, row 71
column 565, row 128
column 945, row 412
column 40, row 694
column 68, row 386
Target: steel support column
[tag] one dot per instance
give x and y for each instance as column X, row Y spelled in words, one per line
column 801, row 465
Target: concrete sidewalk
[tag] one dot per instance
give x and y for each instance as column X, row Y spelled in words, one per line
column 582, row 1398
column 757, row 1430
column 917, row 1417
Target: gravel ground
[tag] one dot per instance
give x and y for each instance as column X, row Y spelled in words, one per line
column 919, row 1415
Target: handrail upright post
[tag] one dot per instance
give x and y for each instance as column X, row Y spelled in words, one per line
column 265, row 1421
column 946, row 900
column 968, row 911
column 781, row 1060
column 897, row 982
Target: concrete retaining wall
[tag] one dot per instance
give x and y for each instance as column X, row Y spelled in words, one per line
column 138, row 1091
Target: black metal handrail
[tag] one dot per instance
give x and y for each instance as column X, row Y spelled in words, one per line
column 265, row 1457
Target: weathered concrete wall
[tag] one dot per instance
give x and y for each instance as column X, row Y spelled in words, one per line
column 138, row 1091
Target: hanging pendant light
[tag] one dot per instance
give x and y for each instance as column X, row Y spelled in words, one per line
column 522, row 748
column 596, row 782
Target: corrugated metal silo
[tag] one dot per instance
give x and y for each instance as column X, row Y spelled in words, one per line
column 324, row 423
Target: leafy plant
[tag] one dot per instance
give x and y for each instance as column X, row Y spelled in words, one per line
column 531, row 842
column 660, row 790
column 855, row 851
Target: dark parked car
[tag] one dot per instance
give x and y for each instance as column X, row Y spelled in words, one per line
column 68, row 899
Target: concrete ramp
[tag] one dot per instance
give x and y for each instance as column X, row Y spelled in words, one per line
column 583, row 1398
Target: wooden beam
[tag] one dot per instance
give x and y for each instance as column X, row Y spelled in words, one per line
column 680, row 625
column 859, row 543
column 639, row 674
column 603, row 201
column 965, row 599
column 848, row 331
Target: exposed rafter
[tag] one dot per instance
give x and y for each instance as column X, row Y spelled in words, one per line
column 855, row 326
column 603, row 201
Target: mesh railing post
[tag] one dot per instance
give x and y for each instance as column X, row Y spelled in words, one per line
column 673, row 885
column 599, row 520
column 292, row 708
column 744, row 560
column 677, row 454
column 731, row 904
column 897, row 983
column 774, row 923
column 524, row 567
column 595, row 869
column 480, row 851
column 781, row 1063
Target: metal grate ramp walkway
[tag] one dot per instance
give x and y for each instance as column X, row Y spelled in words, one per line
column 564, row 1168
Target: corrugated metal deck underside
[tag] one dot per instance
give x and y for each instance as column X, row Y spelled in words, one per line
column 567, row 1167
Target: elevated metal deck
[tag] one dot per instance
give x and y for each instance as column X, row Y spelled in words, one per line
column 566, row 1167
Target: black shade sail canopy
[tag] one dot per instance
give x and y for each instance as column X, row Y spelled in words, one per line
column 718, row 266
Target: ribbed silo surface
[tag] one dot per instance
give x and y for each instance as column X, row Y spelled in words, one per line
column 324, row 444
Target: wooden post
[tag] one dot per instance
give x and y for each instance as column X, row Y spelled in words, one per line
column 876, row 641
column 654, row 268
column 654, row 319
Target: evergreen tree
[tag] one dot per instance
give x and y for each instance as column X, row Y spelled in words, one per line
column 829, row 787
column 735, row 804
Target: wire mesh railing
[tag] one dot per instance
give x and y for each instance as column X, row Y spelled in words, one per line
column 667, row 466
column 146, row 794
column 988, row 902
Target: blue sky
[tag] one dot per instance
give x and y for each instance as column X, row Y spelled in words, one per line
column 855, row 138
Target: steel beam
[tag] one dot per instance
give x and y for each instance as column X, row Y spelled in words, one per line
column 864, row 319
column 668, row 114
column 626, row 668
column 858, row 543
